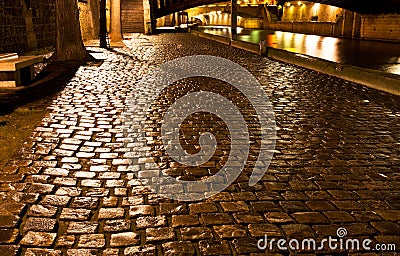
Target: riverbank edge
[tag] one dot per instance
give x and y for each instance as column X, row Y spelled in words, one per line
column 368, row 77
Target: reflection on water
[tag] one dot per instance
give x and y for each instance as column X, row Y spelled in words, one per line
column 383, row 56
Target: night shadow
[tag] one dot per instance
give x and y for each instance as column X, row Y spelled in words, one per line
column 45, row 85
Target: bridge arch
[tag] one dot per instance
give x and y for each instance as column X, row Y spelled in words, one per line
column 166, row 7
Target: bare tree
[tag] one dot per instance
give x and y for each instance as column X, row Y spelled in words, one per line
column 69, row 44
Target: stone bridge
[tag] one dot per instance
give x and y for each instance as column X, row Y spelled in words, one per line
column 165, row 7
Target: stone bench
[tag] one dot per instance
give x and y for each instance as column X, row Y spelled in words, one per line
column 17, row 70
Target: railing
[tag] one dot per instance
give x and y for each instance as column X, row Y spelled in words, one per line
column 318, row 28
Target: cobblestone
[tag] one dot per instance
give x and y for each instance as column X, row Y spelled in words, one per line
column 230, row 231
column 40, row 224
column 111, row 213
column 66, row 241
column 216, row 218
column 76, row 190
column 184, row 220
column 8, row 235
column 46, row 252
column 178, row 248
column 92, row 241
column 9, row 250
column 140, row 250
column 82, row 252
column 260, row 230
column 245, row 245
column 139, row 210
column 38, row 239
column 214, row 247
column 160, row 234
column 83, row 227
column 117, row 225
column 196, row 233
column 124, row 239
column 149, row 221
column 8, row 221
column 74, row 214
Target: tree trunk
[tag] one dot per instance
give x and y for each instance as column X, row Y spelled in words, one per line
column 69, row 44
column 103, row 24
column 116, row 31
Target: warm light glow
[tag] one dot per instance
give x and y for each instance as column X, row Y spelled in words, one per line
column 287, row 39
column 271, row 41
column 299, row 3
column 332, row 11
column 315, row 9
column 312, row 45
column 394, row 69
column 287, row 4
column 329, row 43
column 299, row 40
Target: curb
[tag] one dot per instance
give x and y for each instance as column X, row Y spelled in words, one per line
column 371, row 78
column 368, row 77
column 220, row 39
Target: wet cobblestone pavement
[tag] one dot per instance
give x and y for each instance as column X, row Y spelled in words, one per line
column 336, row 164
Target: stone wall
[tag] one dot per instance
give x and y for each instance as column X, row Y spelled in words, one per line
column 12, row 27
column 337, row 22
column 26, row 25
column 308, row 11
column 370, row 27
column 248, row 16
column 44, row 21
column 89, row 16
column 132, row 16
column 252, row 23
column 381, row 27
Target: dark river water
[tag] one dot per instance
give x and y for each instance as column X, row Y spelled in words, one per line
column 384, row 56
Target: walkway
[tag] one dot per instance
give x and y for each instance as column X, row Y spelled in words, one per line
column 336, row 164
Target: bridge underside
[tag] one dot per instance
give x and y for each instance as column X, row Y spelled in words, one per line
column 165, row 7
